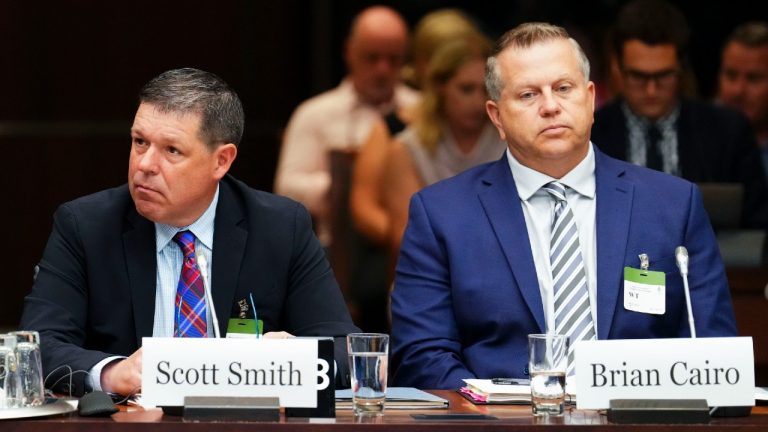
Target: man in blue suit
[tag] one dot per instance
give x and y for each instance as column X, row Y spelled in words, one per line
column 477, row 271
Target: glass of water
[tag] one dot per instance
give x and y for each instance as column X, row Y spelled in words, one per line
column 30, row 374
column 30, row 368
column 30, row 336
column 9, row 379
column 368, row 362
column 547, row 364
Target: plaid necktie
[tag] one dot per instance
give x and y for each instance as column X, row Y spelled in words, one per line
column 190, row 293
column 573, row 316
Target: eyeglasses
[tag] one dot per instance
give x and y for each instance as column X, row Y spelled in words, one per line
column 664, row 78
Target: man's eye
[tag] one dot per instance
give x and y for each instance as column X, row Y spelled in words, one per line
column 173, row 150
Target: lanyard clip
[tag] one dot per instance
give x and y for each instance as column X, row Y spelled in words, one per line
column 643, row 261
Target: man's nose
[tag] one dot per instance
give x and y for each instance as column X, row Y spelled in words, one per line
column 549, row 104
column 386, row 66
column 148, row 161
column 738, row 86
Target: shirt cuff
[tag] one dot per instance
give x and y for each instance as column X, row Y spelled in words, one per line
column 93, row 379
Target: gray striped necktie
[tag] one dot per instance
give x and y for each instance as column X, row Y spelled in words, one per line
column 573, row 316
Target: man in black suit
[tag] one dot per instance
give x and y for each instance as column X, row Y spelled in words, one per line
column 653, row 125
column 111, row 269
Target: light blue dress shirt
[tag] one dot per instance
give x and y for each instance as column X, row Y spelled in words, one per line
column 169, row 261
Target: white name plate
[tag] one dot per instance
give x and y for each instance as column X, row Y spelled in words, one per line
column 720, row 370
column 173, row 368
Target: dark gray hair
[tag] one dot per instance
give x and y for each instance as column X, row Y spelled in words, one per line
column 193, row 91
column 524, row 36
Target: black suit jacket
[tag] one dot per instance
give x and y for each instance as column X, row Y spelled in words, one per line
column 715, row 144
column 94, row 295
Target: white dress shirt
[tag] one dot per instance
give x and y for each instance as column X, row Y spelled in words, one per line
column 538, row 209
column 335, row 120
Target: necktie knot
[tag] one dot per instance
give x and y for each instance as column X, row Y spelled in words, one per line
column 556, row 190
column 186, row 241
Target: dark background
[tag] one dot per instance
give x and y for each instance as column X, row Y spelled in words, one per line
column 70, row 72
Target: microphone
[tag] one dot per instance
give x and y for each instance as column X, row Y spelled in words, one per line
column 681, row 256
column 203, row 266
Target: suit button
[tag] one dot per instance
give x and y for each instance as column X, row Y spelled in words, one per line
column 525, row 371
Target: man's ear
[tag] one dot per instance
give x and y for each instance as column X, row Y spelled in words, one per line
column 492, row 108
column 224, row 156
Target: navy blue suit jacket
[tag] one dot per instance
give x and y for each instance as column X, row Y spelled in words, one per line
column 466, row 294
column 94, row 295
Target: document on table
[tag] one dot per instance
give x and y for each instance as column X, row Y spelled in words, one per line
column 485, row 391
column 398, row 398
column 761, row 394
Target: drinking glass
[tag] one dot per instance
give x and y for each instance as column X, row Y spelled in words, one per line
column 9, row 379
column 547, row 364
column 368, row 362
column 8, row 340
column 30, row 336
column 30, row 367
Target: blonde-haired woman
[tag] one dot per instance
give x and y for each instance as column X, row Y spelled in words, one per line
column 434, row 30
column 450, row 134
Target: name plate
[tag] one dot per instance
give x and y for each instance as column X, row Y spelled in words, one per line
column 173, row 368
column 720, row 370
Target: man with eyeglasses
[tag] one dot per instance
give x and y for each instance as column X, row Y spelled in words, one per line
column 651, row 124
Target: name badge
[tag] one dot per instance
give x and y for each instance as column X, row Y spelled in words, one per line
column 720, row 370
column 245, row 328
column 644, row 291
column 290, row 369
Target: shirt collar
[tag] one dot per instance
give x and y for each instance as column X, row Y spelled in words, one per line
column 357, row 102
column 202, row 228
column 581, row 178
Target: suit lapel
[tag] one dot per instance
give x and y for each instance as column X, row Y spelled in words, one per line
column 229, row 239
column 139, row 247
column 613, row 212
column 499, row 198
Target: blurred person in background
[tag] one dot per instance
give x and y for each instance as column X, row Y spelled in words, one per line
column 322, row 139
column 744, row 79
column 341, row 118
column 366, row 200
column 652, row 124
column 450, row 134
column 371, row 270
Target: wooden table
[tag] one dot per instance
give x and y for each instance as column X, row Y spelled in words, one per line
column 510, row 417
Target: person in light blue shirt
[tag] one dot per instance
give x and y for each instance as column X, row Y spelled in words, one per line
column 110, row 272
